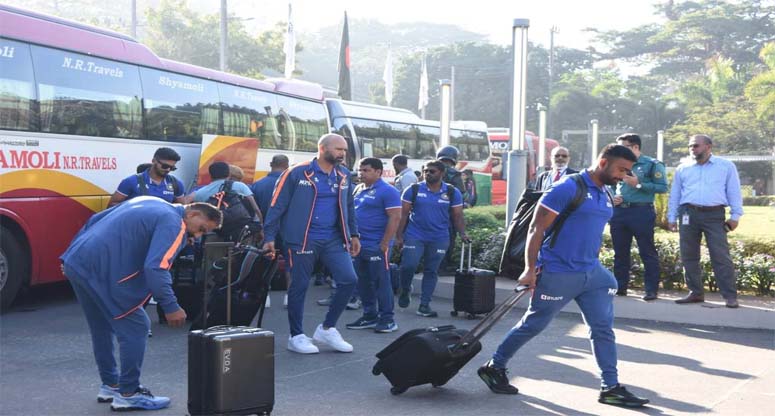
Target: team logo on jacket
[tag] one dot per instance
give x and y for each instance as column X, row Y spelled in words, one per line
column 169, row 187
column 445, row 197
column 304, row 182
column 373, row 192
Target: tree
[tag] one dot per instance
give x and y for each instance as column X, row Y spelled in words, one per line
column 176, row 32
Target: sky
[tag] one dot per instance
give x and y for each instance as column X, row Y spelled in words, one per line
column 490, row 17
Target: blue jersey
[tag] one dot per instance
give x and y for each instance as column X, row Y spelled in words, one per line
column 324, row 212
column 165, row 190
column 430, row 217
column 262, row 191
column 371, row 205
column 577, row 246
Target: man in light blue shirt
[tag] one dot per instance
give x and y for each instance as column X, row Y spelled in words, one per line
column 702, row 189
column 405, row 176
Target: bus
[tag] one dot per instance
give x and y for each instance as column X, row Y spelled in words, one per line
column 499, row 144
column 383, row 132
column 81, row 107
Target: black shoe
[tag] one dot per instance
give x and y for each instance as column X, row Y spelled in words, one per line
column 621, row 292
column 496, row 379
column 619, row 396
column 649, row 296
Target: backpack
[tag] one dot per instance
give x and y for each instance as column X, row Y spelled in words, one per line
column 513, row 256
column 237, row 213
column 450, row 193
column 169, row 179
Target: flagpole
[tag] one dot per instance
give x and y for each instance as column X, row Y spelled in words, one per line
column 423, row 99
column 345, row 82
column 290, row 46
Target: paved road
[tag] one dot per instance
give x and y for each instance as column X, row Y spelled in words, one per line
column 46, row 368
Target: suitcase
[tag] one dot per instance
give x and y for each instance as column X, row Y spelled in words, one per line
column 474, row 291
column 230, row 368
column 434, row 355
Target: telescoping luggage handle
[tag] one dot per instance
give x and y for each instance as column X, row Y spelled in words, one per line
column 229, row 246
column 484, row 326
column 463, row 254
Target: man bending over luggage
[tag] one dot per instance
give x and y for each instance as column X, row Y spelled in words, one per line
column 312, row 208
column 570, row 270
column 115, row 263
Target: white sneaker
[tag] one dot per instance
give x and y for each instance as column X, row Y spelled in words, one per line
column 285, row 301
column 332, row 338
column 268, row 302
column 302, row 344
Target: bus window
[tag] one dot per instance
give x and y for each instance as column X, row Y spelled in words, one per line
column 427, row 138
column 84, row 95
column 246, row 113
column 179, row 108
column 309, row 122
column 18, row 104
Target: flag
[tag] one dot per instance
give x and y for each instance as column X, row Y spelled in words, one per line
column 387, row 76
column 423, row 101
column 290, row 47
column 345, row 84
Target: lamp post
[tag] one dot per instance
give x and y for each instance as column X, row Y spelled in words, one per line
column 224, row 36
column 594, row 140
column 517, row 157
column 445, row 106
column 541, row 137
column 660, row 145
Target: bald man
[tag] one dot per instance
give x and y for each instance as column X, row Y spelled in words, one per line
column 312, row 208
column 560, row 161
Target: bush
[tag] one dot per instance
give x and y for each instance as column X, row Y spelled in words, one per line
column 761, row 201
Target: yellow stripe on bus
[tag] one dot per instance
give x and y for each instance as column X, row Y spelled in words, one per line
column 218, row 145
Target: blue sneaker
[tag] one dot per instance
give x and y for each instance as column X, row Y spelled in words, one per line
column 386, row 327
column 364, row 322
column 141, row 400
column 107, row 394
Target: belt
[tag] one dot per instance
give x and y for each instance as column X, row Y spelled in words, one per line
column 705, row 208
column 635, row 204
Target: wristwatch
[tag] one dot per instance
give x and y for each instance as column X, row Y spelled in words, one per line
column 638, row 186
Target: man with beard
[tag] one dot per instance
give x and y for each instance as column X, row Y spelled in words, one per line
column 560, row 169
column 312, row 208
column 156, row 180
column 570, row 270
column 115, row 263
column 428, row 210
column 702, row 189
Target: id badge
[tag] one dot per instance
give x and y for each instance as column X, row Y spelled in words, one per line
column 685, row 219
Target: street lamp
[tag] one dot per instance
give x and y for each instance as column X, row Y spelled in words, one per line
column 660, row 145
column 445, row 87
column 541, row 136
column 517, row 157
column 594, row 139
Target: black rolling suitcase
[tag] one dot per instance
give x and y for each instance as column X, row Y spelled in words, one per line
column 230, row 369
column 434, row 355
column 474, row 291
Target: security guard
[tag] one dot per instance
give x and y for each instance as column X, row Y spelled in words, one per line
column 634, row 216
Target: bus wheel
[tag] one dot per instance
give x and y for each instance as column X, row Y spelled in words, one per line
column 13, row 267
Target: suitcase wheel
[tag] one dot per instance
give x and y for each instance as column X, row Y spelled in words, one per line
column 376, row 370
column 453, row 313
column 395, row 391
column 471, row 316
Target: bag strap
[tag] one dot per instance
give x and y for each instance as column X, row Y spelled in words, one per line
column 141, row 184
column 175, row 186
column 578, row 199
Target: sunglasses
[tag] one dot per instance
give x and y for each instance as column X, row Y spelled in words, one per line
column 166, row 166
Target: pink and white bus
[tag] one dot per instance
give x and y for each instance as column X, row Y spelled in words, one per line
column 81, row 107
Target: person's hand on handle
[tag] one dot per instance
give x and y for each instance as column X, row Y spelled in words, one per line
column 176, row 319
column 269, row 249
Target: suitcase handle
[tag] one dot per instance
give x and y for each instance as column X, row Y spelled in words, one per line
column 484, row 326
column 463, row 254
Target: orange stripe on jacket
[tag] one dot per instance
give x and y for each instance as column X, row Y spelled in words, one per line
column 166, row 261
column 135, row 308
column 281, row 181
column 128, row 277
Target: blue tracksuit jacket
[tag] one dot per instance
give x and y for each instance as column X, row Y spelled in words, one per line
column 124, row 254
column 290, row 212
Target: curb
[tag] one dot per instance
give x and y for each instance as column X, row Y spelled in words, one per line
column 751, row 314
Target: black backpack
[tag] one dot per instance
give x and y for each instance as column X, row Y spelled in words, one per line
column 237, row 212
column 513, row 256
column 450, row 193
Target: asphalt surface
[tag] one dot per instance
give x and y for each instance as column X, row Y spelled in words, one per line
column 47, row 368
